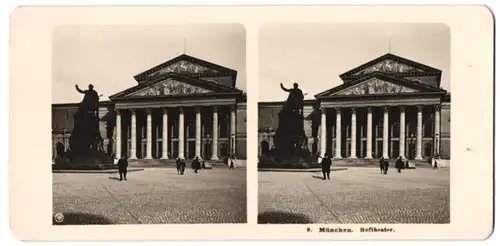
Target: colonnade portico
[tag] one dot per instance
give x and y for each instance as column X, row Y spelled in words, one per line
column 169, row 132
column 399, row 131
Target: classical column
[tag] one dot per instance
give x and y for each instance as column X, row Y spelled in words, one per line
column 385, row 143
column 369, row 134
column 402, row 131
column 118, row 143
column 418, row 155
column 197, row 151
column 181, row 133
column 353, row 132
column 437, row 127
column 323, row 132
column 164, row 137
column 338, row 134
column 233, row 130
column 133, row 135
column 215, row 134
column 149, row 134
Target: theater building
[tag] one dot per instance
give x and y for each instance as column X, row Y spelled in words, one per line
column 185, row 107
column 387, row 107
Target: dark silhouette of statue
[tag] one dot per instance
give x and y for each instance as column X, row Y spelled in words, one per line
column 86, row 142
column 90, row 100
column 290, row 141
column 295, row 99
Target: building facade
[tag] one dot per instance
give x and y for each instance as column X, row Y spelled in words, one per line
column 387, row 107
column 185, row 107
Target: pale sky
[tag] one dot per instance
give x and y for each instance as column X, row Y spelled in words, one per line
column 109, row 56
column 315, row 55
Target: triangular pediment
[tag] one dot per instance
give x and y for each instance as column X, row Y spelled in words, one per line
column 190, row 67
column 184, row 67
column 376, row 86
column 174, row 84
column 379, row 84
column 389, row 66
column 170, row 87
column 392, row 65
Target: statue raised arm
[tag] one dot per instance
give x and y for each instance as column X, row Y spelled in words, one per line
column 285, row 89
column 91, row 98
column 295, row 97
column 79, row 90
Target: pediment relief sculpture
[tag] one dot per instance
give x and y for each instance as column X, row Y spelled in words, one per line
column 376, row 86
column 171, row 87
column 389, row 66
column 184, row 67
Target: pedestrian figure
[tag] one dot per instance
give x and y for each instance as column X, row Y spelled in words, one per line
column 231, row 163
column 326, row 163
column 195, row 164
column 382, row 165
column 180, row 165
column 122, row 168
column 399, row 164
column 435, row 165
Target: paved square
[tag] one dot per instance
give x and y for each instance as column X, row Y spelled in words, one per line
column 152, row 196
column 356, row 195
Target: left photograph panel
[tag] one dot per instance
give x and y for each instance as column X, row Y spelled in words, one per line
column 149, row 124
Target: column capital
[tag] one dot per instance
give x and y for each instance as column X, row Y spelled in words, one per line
column 164, row 110
column 338, row 110
column 148, row 111
column 132, row 110
column 402, row 109
column 420, row 108
column 232, row 107
column 181, row 109
column 369, row 109
column 437, row 107
column 386, row 109
column 215, row 108
column 197, row 109
column 353, row 110
column 117, row 111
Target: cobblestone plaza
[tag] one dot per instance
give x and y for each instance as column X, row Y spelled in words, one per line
column 356, row 195
column 152, row 196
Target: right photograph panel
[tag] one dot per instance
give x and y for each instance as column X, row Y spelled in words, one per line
column 354, row 123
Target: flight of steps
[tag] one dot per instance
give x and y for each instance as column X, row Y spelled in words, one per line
column 167, row 163
column 371, row 163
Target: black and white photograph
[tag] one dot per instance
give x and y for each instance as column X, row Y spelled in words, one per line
column 191, row 123
column 149, row 124
column 354, row 123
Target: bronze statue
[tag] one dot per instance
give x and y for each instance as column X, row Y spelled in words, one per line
column 295, row 99
column 290, row 141
column 90, row 100
column 86, row 143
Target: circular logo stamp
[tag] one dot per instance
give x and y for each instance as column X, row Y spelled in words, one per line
column 59, row 217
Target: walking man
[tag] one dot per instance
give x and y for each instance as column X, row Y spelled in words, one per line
column 400, row 164
column 326, row 163
column 122, row 168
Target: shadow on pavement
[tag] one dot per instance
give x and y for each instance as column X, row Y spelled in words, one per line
column 82, row 219
column 317, row 176
column 282, row 218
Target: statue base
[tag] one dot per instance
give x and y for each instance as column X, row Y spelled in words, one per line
column 102, row 162
column 299, row 163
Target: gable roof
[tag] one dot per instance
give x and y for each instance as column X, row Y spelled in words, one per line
column 415, row 87
column 213, row 69
column 420, row 69
column 215, row 88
